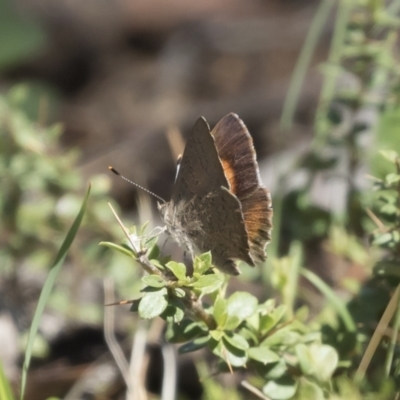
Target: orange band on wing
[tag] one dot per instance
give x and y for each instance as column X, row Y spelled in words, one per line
column 230, row 175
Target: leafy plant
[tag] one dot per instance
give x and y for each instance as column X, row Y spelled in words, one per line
column 238, row 329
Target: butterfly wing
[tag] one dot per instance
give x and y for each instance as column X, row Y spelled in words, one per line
column 236, row 151
column 207, row 213
column 200, row 170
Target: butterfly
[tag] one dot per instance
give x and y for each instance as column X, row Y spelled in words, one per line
column 218, row 202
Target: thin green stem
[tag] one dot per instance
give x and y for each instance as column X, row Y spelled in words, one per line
column 397, row 162
column 331, row 296
column 393, row 340
column 377, row 336
column 296, row 258
column 328, row 87
column 303, row 63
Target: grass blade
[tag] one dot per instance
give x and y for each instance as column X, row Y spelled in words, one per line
column 47, row 288
column 5, row 388
column 330, row 295
column 303, row 63
column 296, row 259
column 377, row 336
column 329, row 84
column 394, row 339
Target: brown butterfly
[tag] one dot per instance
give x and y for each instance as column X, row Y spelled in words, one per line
column 218, row 202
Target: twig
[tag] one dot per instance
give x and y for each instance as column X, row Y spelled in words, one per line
column 137, row 363
column 376, row 337
column 377, row 221
column 141, row 258
column 197, row 310
column 168, row 391
column 254, row 390
column 109, row 334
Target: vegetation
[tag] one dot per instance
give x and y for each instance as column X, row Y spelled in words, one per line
column 346, row 347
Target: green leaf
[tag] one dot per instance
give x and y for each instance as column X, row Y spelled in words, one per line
column 142, row 229
column 47, row 288
column 390, row 155
column 157, row 264
column 154, row 252
column 281, row 389
column 217, row 335
column 155, row 281
column 277, row 370
column 267, row 322
column 208, row 283
column 234, row 356
column 228, row 353
column 392, row 178
column 319, row 360
column 151, row 244
column 202, row 263
column 282, row 337
column 383, row 239
column 174, row 313
column 153, row 304
column 305, row 359
column 184, row 331
column 236, row 341
column 242, row 305
column 326, row 358
column 263, row 355
column 389, row 209
column 219, row 312
column 178, row 269
column 180, row 293
column 248, row 334
column 232, row 322
column 121, row 249
column 309, row 390
column 253, row 322
column 194, row 345
column 270, row 320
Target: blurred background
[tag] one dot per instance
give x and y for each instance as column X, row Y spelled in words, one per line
column 121, row 75
column 84, row 85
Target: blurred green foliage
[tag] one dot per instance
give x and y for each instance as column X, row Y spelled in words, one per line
column 289, row 349
column 41, row 194
column 20, row 36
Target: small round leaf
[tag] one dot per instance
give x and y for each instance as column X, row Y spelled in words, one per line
column 178, row 269
column 154, row 281
column 280, row 389
column 236, row 341
column 263, row 355
column 152, row 304
column 242, row 305
column 196, row 344
column 202, row 263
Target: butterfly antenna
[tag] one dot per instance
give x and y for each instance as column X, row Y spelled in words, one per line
column 112, row 169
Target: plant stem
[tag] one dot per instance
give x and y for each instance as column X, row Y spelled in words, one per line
column 393, row 339
column 328, row 88
column 303, row 63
